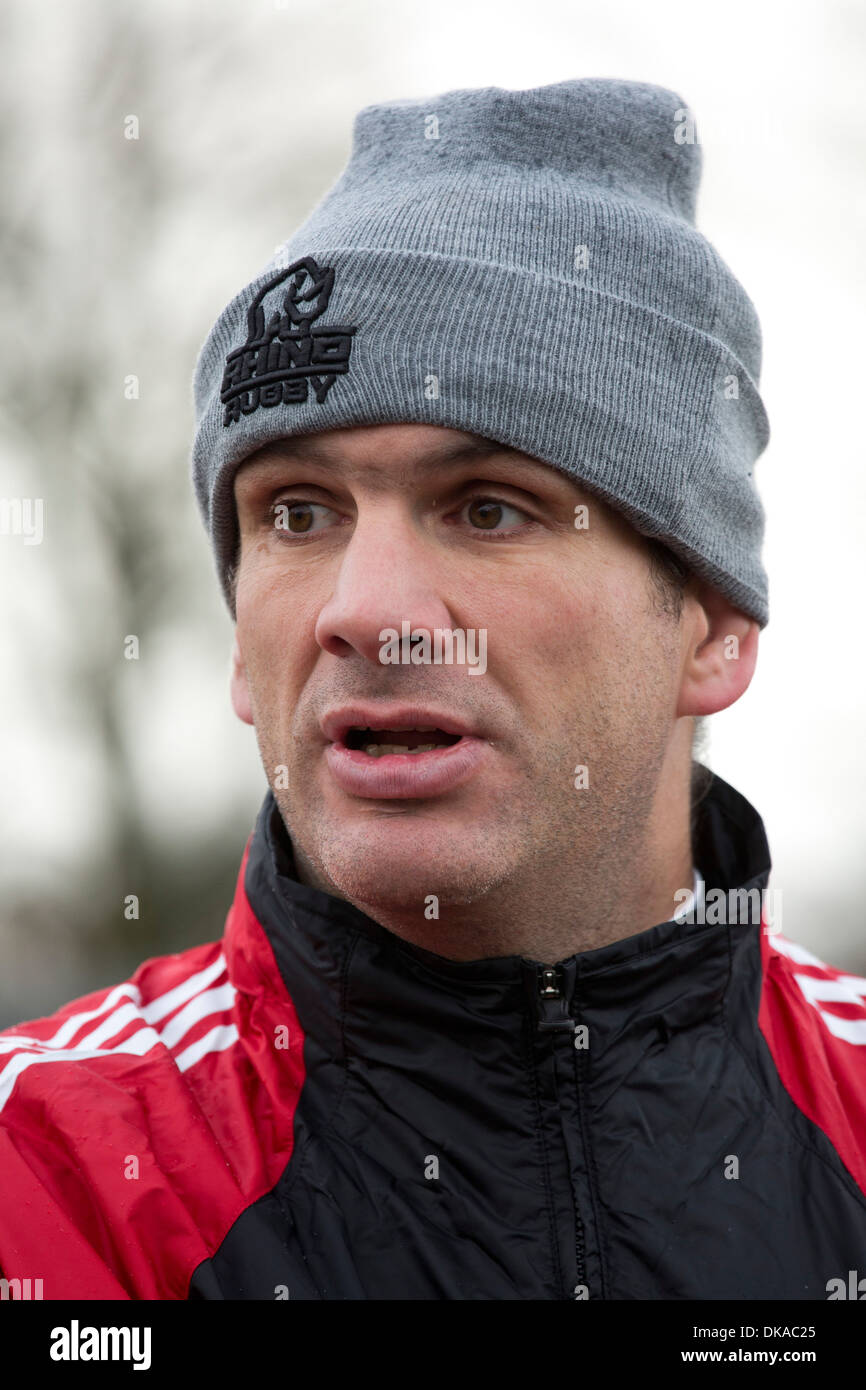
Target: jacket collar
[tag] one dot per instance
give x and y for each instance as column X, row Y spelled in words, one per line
column 677, row 970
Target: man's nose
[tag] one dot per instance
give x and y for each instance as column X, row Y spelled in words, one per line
column 388, row 574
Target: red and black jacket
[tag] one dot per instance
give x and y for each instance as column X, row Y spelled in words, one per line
column 314, row 1109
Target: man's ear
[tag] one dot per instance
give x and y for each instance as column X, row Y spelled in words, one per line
column 241, row 703
column 720, row 654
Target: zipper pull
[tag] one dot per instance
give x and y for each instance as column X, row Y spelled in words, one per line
column 553, row 1015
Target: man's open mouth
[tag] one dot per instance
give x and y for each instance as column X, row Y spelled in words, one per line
column 378, row 743
column 399, row 753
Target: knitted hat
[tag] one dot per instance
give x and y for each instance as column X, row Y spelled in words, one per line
column 521, row 265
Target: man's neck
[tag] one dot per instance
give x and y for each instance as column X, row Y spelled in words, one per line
column 547, row 916
column 617, row 871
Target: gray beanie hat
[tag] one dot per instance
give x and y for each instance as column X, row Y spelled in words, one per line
column 521, row 265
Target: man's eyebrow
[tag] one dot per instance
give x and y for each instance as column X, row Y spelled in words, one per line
column 314, row 450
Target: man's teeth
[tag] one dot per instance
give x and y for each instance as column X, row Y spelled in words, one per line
column 378, row 750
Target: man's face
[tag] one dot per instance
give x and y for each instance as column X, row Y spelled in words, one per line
column 348, row 533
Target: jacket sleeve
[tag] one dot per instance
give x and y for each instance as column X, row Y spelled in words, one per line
column 39, row 1241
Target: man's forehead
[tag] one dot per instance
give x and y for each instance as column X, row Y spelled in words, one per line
column 422, row 441
column 378, row 450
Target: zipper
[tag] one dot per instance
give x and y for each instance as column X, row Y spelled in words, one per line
column 554, row 1017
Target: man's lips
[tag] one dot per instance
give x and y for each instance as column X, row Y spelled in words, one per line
column 400, row 776
column 337, row 723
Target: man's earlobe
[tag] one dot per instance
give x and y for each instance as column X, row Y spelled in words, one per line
column 241, row 703
column 720, row 656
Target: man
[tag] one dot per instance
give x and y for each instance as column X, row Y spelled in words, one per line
column 497, row 1013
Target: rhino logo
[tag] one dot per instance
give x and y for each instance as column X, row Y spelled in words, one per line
column 284, row 353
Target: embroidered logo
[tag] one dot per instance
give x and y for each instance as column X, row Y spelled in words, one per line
column 284, row 353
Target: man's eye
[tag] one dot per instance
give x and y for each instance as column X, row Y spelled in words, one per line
column 486, row 513
column 298, row 518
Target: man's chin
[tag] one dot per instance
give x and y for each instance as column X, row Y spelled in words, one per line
column 406, row 863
